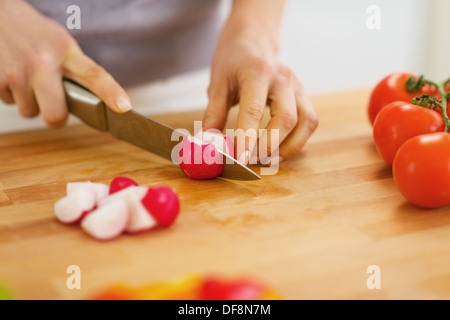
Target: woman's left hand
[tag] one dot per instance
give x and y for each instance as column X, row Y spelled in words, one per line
column 246, row 71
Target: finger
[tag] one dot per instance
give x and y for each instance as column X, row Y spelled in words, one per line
column 217, row 110
column 6, row 95
column 25, row 101
column 82, row 69
column 284, row 117
column 49, row 92
column 307, row 124
column 251, row 110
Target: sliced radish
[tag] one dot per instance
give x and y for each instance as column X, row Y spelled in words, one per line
column 199, row 158
column 120, row 183
column 106, row 211
column 123, row 194
column 100, row 190
column 73, row 207
column 108, row 221
column 140, row 218
column 163, row 203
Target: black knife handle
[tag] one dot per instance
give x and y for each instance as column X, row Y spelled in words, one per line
column 85, row 105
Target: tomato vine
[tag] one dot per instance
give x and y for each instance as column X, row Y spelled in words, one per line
column 430, row 101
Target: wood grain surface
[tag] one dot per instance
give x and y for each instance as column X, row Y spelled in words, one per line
column 308, row 232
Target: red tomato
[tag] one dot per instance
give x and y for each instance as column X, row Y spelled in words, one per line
column 215, row 289
column 393, row 88
column 400, row 121
column 421, row 170
column 447, row 87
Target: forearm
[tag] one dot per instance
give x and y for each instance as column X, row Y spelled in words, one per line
column 7, row 3
column 261, row 17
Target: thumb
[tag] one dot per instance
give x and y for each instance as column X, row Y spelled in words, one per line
column 82, row 69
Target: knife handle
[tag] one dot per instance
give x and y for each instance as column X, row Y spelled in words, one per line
column 85, row 105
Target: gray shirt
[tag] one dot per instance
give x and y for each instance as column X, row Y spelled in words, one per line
column 139, row 41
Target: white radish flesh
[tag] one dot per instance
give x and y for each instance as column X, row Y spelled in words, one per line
column 140, row 218
column 108, row 221
column 100, row 190
column 123, row 194
column 73, row 207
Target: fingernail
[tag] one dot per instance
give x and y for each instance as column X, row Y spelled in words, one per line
column 123, row 104
column 244, row 157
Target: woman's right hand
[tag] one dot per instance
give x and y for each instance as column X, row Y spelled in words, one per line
column 36, row 53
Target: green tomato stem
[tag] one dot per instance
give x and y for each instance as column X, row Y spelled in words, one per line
column 428, row 101
column 444, row 106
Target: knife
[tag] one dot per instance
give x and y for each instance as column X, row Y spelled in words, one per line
column 137, row 129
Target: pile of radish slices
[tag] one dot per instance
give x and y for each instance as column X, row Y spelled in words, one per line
column 106, row 211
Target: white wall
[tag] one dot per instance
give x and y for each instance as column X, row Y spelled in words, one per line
column 328, row 45
column 438, row 47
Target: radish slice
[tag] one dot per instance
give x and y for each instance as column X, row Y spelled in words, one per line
column 107, row 212
column 124, row 194
column 140, row 218
column 107, row 222
column 163, row 204
column 73, row 207
column 100, row 190
column 120, row 183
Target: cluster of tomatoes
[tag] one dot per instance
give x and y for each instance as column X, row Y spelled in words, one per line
column 410, row 131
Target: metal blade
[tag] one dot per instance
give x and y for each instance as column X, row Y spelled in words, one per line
column 142, row 131
column 235, row 170
column 156, row 137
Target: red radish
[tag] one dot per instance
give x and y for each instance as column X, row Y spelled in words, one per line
column 108, row 221
column 221, row 142
column 140, row 218
column 120, row 183
column 163, row 203
column 100, row 190
column 73, row 207
column 198, row 155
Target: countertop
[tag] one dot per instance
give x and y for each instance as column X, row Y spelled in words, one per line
column 315, row 230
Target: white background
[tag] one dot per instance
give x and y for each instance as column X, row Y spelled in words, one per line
column 329, row 46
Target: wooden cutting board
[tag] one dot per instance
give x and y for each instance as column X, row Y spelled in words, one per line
column 312, row 231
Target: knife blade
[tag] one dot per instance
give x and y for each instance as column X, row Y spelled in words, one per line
column 138, row 129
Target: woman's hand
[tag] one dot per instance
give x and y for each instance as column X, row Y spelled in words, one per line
column 35, row 54
column 246, row 71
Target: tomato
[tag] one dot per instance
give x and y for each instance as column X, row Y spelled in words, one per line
column 400, row 121
column 393, row 88
column 447, row 86
column 421, row 170
column 216, row 289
